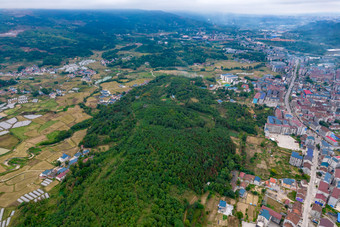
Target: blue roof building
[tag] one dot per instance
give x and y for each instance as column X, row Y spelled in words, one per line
column 288, row 181
column 296, row 155
column 328, row 178
column 222, row 204
column 242, row 192
column 73, row 161
column 265, row 213
column 310, row 152
column 62, row 170
column 325, row 164
column 85, row 152
column 78, row 154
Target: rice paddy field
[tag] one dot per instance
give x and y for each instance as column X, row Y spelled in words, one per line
column 19, row 179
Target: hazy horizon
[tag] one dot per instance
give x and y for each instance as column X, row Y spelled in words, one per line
column 251, row 7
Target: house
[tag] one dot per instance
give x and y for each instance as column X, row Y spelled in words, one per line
column 86, row 152
column 276, row 217
column 244, row 184
column 328, row 178
column 263, row 219
column 323, row 188
column 45, row 174
column 295, row 159
column 320, row 199
column 337, row 176
column 316, row 211
column 229, row 78
column 242, row 192
column 249, row 178
column 241, row 175
column 308, row 159
column 289, row 183
column 307, row 168
column 225, row 208
column 301, row 194
column 291, row 220
column 325, row 222
column 334, row 198
column 297, row 208
column 77, row 155
column 64, row 158
column 62, row 175
column 257, row 180
column 61, row 170
column 73, row 161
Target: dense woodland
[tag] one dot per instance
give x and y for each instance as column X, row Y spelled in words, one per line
column 5, row 83
column 159, row 56
column 51, row 36
column 167, row 137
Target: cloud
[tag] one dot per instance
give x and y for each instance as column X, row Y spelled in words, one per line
column 234, row 6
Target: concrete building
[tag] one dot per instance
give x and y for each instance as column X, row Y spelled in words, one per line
column 295, row 159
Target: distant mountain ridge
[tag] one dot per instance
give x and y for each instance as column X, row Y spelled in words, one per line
column 54, row 35
column 327, row 32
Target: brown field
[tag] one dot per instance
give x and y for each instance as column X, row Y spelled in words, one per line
column 253, row 199
column 8, row 141
column 26, row 178
column 113, row 87
column 278, row 207
column 91, row 102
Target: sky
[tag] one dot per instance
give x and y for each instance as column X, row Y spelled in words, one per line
column 282, row 7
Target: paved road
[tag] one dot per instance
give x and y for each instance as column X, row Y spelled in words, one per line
column 291, row 85
column 311, row 191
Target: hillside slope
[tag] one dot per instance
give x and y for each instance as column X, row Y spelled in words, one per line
column 53, row 35
column 168, row 137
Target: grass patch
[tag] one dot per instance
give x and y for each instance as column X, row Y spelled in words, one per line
column 34, row 150
column 292, row 195
column 52, row 135
column 46, row 125
column 20, row 132
column 18, row 161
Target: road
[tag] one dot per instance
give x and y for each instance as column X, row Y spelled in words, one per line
column 311, row 189
column 291, row 85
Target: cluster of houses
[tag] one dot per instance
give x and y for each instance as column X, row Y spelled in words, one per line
column 66, row 161
column 30, row 71
column 106, row 97
column 283, row 123
column 270, row 90
column 316, row 100
column 328, row 170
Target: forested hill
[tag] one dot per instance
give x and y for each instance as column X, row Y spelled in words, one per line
column 327, row 32
column 167, row 138
column 54, row 35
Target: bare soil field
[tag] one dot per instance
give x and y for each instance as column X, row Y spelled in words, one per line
column 8, row 141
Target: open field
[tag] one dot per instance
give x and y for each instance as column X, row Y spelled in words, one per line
column 8, row 141
column 26, row 179
column 266, row 159
column 286, row 142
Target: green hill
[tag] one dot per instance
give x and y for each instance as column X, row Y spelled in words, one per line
column 51, row 36
column 167, row 138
